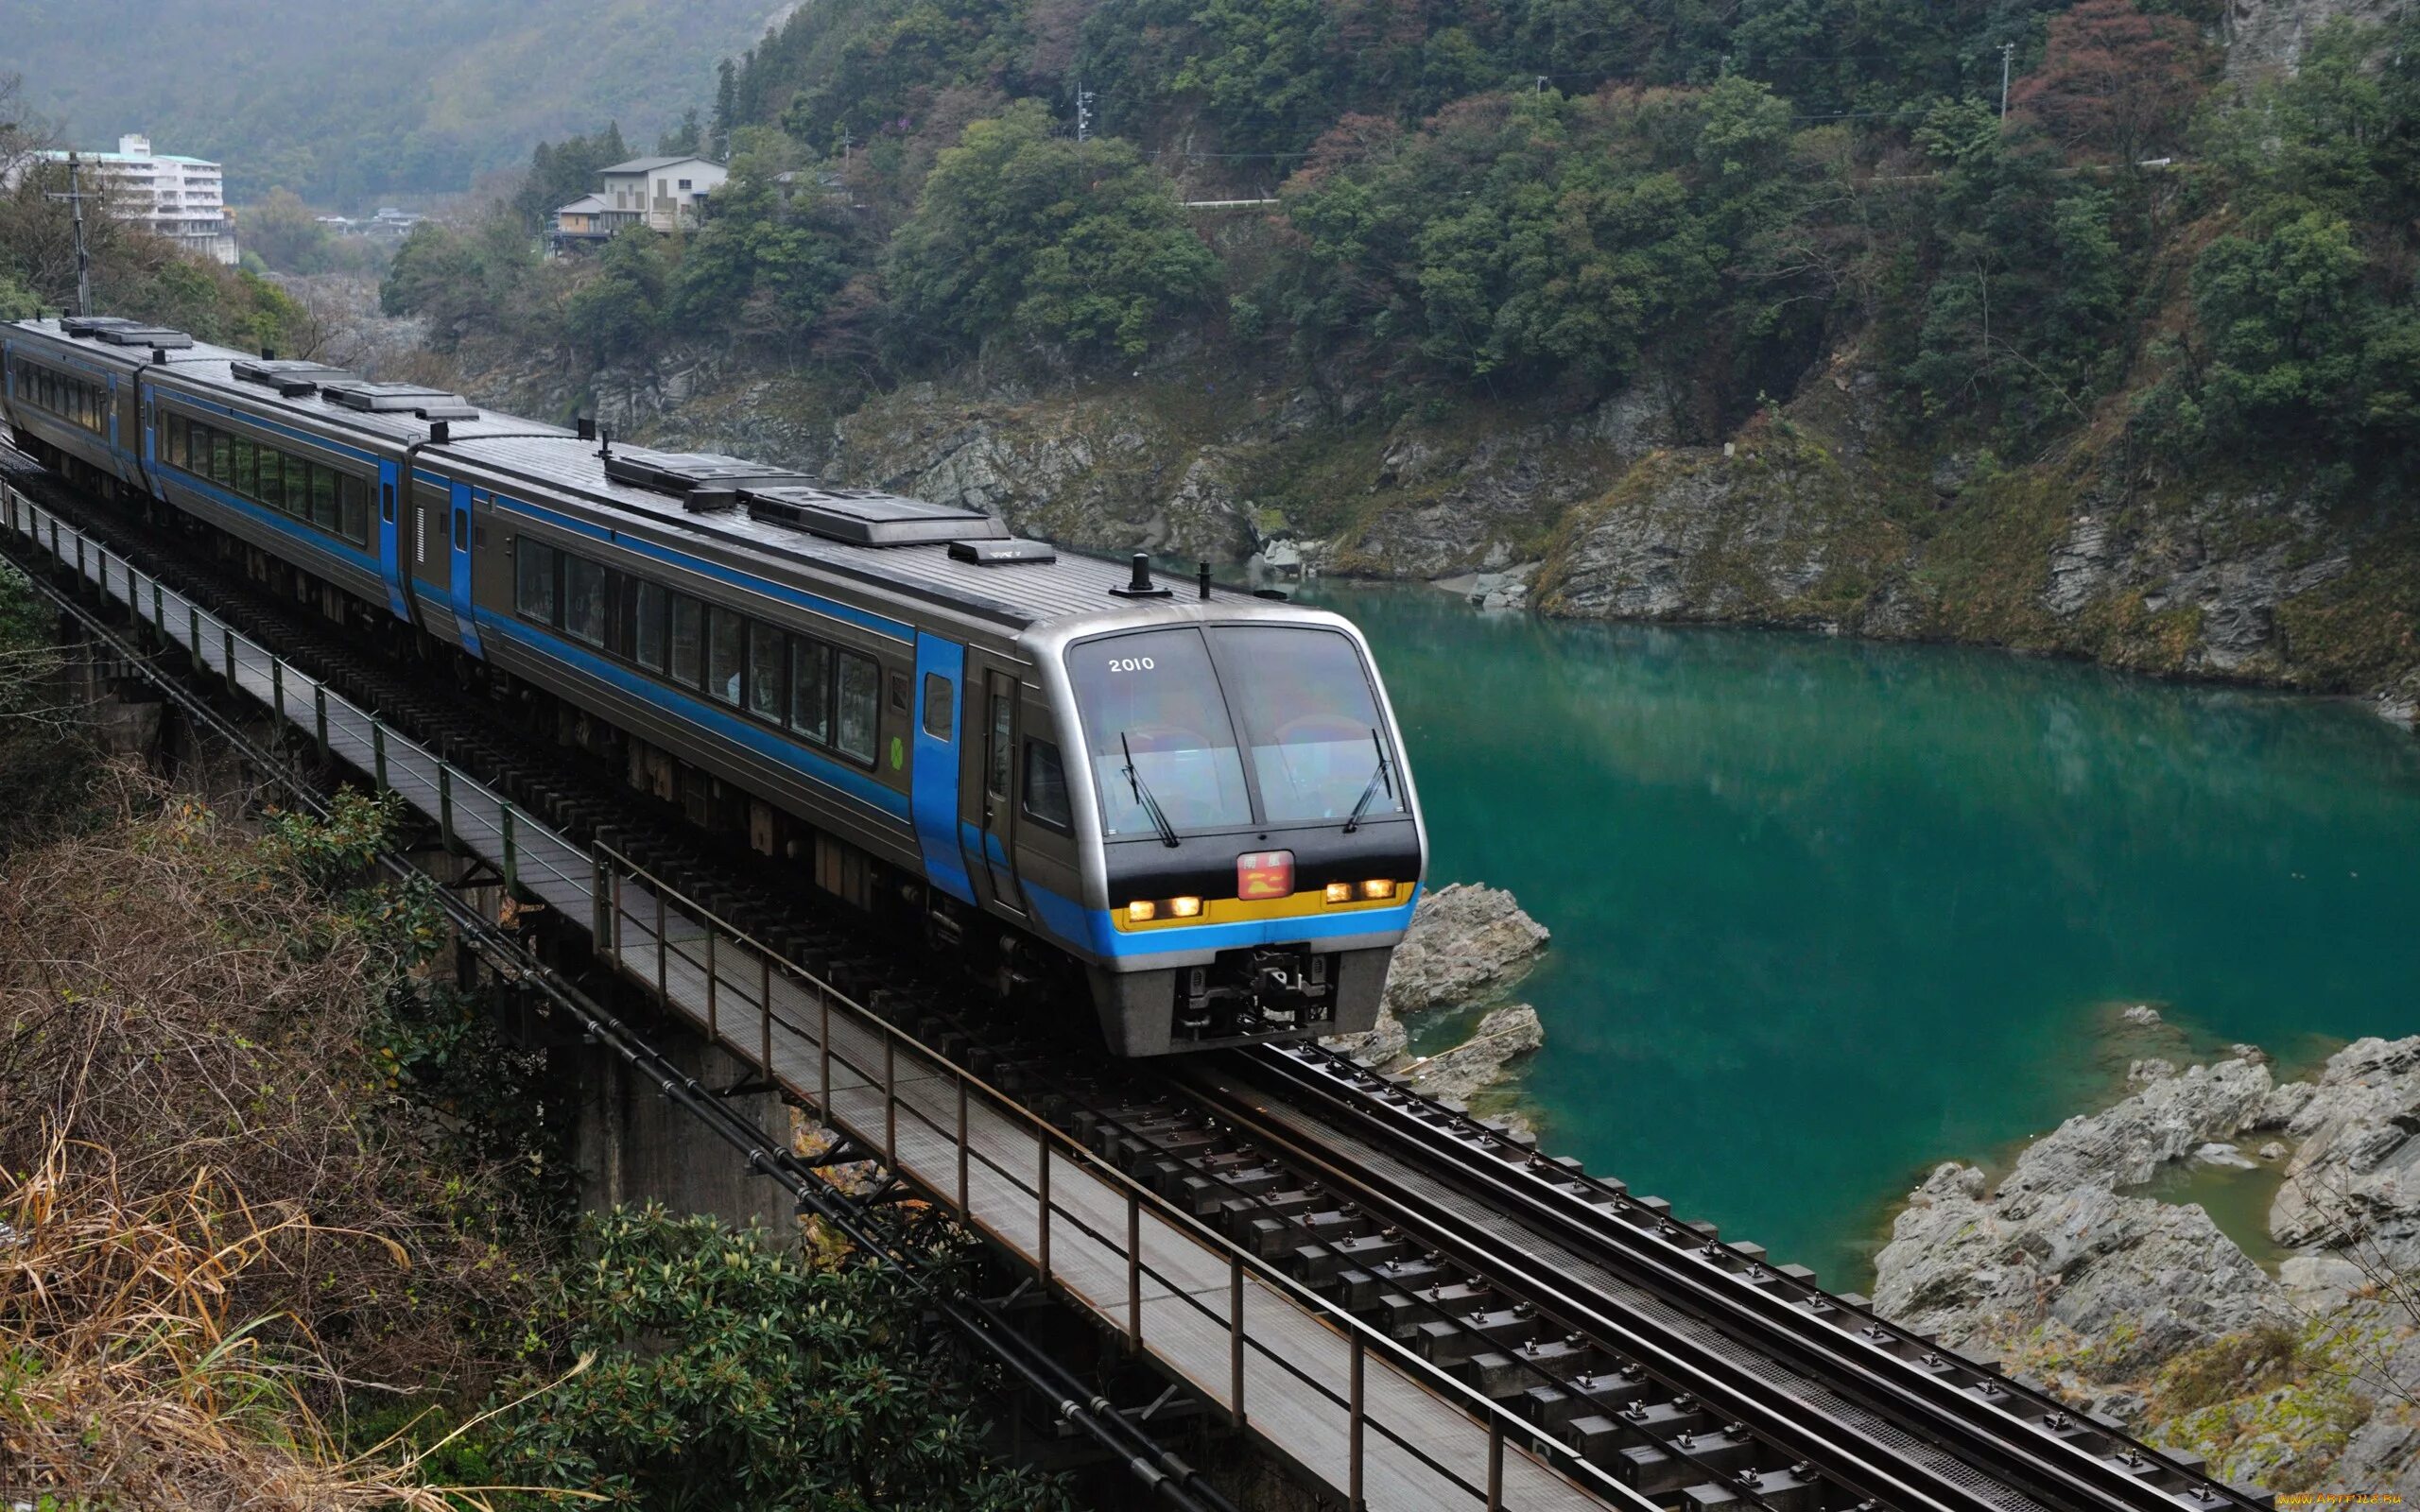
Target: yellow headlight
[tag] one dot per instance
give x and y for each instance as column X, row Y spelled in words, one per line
column 1142, row 910
column 1184, row 907
column 1340, row 892
column 1377, row 889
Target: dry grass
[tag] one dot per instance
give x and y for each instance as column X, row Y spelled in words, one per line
column 227, row 1232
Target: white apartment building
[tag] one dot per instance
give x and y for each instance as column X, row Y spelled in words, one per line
column 181, row 199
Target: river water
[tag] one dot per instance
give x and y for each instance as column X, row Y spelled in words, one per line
column 1825, row 912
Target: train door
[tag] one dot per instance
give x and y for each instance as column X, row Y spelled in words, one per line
column 392, row 548
column 988, row 819
column 427, row 523
column 458, row 554
column 941, row 667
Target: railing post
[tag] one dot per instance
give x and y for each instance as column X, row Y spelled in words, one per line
column 662, row 988
column 378, row 757
column 1135, row 1265
column 1495, row 1462
column 511, row 854
column 320, row 716
column 823, row 1081
column 159, row 606
column 891, row 1099
column 596, row 899
column 764, row 1013
column 714, row 1030
column 1042, row 1208
column 193, row 635
column 276, row 694
column 964, row 1208
column 617, row 915
column 227, row 649
column 446, row 809
column 1353, row 1459
column 1235, row 1336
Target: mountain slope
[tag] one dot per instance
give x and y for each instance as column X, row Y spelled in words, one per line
column 342, row 103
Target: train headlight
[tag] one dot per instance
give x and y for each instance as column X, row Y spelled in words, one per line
column 1340, row 892
column 1185, row 907
column 1377, row 889
column 1142, row 910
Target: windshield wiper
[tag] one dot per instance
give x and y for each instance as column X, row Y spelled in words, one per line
column 1372, row 791
column 1143, row 795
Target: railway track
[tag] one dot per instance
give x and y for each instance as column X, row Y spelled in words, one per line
column 1691, row 1371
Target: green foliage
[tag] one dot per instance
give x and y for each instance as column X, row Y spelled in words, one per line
column 771, row 255
column 2306, row 331
column 281, row 231
column 2028, row 277
column 727, row 1370
column 624, row 309
column 463, row 279
column 561, row 172
column 1019, row 230
column 1531, row 235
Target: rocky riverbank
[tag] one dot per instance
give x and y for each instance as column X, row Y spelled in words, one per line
column 1467, row 948
column 2303, row 1375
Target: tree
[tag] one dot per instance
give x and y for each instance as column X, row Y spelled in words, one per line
column 2281, row 320
column 2116, row 84
column 685, row 140
column 1021, row 230
column 766, row 257
column 281, row 231
column 729, row 1371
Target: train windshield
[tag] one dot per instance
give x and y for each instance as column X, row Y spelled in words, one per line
column 1306, row 719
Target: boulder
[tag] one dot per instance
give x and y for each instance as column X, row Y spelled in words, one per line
column 1477, row 1063
column 2355, row 1177
column 2168, row 1118
column 1466, row 941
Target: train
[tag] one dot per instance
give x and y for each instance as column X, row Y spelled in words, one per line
column 1186, row 801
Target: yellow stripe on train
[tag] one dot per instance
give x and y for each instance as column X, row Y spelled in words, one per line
column 1163, row 912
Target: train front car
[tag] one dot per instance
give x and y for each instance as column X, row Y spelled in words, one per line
column 1250, row 840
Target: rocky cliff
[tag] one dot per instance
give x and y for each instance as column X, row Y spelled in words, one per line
column 2305, row 1377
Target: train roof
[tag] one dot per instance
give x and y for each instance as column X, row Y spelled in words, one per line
column 957, row 558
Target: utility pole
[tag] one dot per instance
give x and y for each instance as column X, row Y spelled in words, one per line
column 2008, row 51
column 75, row 196
column 1084, row 112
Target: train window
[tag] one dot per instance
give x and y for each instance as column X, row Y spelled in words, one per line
column 247, row 466
column 859, row 713
column 353, row 506
column 533, row 581
column 271, row 480
column 1154, row 723
column 646, row 639
column 1046, row 785
column 688, row 639
column 767, row 664
column 999, row 752
column 1310, row 721
column 811, row 688
column 221, row 459
column 722, row 656
column 176, row 441
column 319, row 486
column 899, row 692
column 937, row 706
column 583, row 599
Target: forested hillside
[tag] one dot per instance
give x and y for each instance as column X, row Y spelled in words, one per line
column 1758, row 312
column 342, row 103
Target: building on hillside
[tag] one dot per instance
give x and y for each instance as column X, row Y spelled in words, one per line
column 180, row 198
column 661, row 193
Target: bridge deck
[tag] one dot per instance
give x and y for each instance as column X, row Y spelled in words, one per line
column 1314, row 1384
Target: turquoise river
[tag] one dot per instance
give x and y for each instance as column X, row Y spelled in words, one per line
column 1827, row 912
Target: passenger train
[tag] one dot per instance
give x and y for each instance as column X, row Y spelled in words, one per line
column 1189, row 799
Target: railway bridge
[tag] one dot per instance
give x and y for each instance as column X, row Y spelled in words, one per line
column 1402, row 1306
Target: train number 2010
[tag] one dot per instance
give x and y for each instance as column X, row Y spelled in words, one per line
column 1133, row 663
